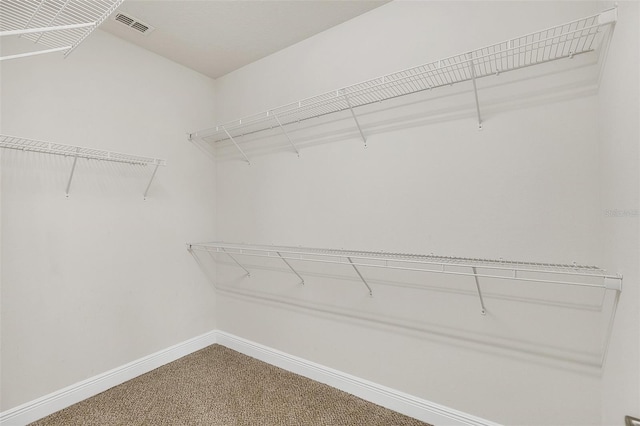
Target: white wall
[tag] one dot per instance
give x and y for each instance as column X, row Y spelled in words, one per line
column 526, row 187
column 102, row 278
column 619, row 110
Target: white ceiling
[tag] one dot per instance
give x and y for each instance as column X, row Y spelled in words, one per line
column 216, row 37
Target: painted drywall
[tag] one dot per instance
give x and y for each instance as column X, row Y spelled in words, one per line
column 619, row 109
column 102, row 278
column 526, row 187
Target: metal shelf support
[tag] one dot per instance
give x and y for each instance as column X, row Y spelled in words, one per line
column 483, row 311
column 360, row 275
column 73, row 168
column 146, row 191
column 291, row 267
column 475, row 88
column 286, row 134
column 607, row 338
column 237, row 146
column 237, row 263
column 353, row 114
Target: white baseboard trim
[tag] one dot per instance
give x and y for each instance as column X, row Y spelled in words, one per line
column 49, row 404
column 401, row 402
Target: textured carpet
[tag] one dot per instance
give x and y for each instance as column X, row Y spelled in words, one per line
column 218, row 386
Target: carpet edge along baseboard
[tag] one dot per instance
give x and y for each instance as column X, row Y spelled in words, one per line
column 401, row 402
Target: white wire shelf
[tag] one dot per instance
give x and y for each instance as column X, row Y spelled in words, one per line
column 591, row 277
column 32, row 145
column 563, row 41
column 533, row 272
column 59, row 25
column 551, row 273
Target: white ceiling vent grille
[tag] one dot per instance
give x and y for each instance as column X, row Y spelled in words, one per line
column 133, row 23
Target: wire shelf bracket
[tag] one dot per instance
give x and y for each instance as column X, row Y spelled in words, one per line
column 475, row 88
column 236, row 261
column 483, row 310
column 73, row 168
column 360, row 275
column 582, row 36
column 287, row 135
column 153, row 175
column 32, row 145
column 291, row 267
column 237, row 146
column 355, row 118
column 59, row 26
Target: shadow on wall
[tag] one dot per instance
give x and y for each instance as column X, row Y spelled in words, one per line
column 520, row 89
column 558, row 326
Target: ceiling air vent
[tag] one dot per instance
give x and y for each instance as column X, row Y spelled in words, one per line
column 133, row 23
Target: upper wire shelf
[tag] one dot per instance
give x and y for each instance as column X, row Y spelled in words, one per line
column 59, row 25
column 32, row 145
column 562, row 41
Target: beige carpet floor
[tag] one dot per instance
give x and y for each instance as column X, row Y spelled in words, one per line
column 218, row 386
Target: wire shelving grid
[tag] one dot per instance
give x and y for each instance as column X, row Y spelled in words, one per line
column 551, row 273
column 533, row 272
column 32, row 145
column 562, row 41
column 59, row 25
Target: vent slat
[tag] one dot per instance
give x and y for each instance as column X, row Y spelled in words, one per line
column 133, row 23
column 140, row 27
column 124, row 19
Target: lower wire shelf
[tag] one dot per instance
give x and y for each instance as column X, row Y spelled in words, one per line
column 551, row 273
column 533, row 272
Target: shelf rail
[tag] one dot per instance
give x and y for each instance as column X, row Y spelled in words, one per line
column 58, row 25
column 550, row 273
column 559, row 42
column 32, row 145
